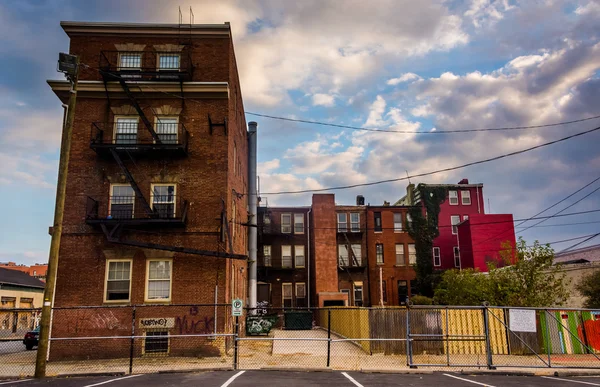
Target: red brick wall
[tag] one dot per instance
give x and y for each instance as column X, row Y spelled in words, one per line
column 324, row 232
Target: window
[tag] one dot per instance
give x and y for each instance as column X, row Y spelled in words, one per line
column 166, row 129
column 465, row 197
column 358, row 294
column 130, row 61
column 122, row 200
column 163, row 200
column 118, row 280
column 397, row 222
column 125, row 131
column 357, row 251
column 267, row 255
column 465, row 217
column 8, row 302
column 377, row 216
column 455, row 220
column 342, row 220
column 301, row 295
column 384, row 290
column 286, row 294
column 298, row 223
column 343, row 255
column 156, row 342
column 453, row 196
column 267, row 222
column 233, row 218
column 299, row 255
column 379, row 253
column 168, row 61
column 412, row 254
column 456, row 256
column 402, row 292
column 400, row 260
column 158, row 285
column 286, row 256
column 286, row 223
column 355, row 222
column 409, row 220
column 437, row 258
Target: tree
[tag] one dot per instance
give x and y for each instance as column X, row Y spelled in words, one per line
column 589, row 287
column 533, row 281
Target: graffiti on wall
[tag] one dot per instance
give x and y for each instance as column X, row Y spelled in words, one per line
column 194, row 323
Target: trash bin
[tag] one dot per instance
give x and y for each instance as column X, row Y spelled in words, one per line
column 260, row 325
column 298, row 320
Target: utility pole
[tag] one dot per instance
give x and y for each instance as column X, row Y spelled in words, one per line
column 380, row 287
column 68, row 64
column 253, row 229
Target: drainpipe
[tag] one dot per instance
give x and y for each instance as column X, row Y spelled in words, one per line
column 252, row 204
column 478, row 205
column 308, row 255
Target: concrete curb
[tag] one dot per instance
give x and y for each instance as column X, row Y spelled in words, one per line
column 86, row 375
column 190, row 371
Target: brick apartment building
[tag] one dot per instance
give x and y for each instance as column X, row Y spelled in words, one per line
column 468, row 237
column 343, row 246
column 38, row 270
column 158, row 163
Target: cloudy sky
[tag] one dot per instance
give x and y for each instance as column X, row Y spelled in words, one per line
column 399, row 64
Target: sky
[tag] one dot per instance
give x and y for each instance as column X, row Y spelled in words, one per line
column 402, row 65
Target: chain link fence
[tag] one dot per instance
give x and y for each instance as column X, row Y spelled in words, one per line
column 161, row 338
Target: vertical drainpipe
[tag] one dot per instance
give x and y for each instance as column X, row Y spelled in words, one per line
column 308, row 254
column 252, row 204
column 478, row 205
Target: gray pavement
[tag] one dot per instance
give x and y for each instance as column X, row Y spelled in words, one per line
column 304, row 379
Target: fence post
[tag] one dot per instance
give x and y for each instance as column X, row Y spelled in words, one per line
column 488, row 347
column 328, row 336
column 409, row 359
column 585, row 337
column 547, row 337
column 235, row 343
column 132, row 340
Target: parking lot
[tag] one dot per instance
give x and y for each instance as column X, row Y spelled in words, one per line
column 293, row 379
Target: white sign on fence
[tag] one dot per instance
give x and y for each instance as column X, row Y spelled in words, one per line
column 163, row 322
column 522, row 320
column 237, row 307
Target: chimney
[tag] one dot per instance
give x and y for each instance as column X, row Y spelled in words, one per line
column 410, row 194
column 360, row 200
column 464, row 181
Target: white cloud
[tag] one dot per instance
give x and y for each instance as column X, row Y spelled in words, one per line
column 591, row 7
column 323, row 100
column 487, row 12
column 268, row 166
column 403, row 78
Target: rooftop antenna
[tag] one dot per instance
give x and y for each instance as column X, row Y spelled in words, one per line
column 408, row 177
column 191, row 16
column 180, row 16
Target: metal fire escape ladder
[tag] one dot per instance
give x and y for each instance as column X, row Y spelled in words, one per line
column 350, row 250
column 131, row 181
column 139, row 110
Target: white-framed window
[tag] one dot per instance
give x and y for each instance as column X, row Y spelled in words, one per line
column 168, row 61
column 437, row 258
column 412, row 254
column 347, row 291
column 163, row 200
column 298, row 223
column 456, row 256
column 342, row 220
column 409, row 220
column 156, row 342
column 454, row 221
column 299, row 255
column 354, row 221
column 300, row 294
column 400, row 258
column 377, row 221
column 453, row 198
column 286, row 223
column 465, row 197
column 286, row 256
column 379, row 253
column 286, row 294
column 118, row 280
column 130, row 61
column 358, row 294
column 267, row 255
column 158, row 279
column 343, row 255
column 122, row 202
column 125, row 130
column 357, row 250
column 166, row 129
column 397, row 222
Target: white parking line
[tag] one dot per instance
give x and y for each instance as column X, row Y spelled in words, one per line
column 231, row 379
column 112, row 380
column 16, row 381
column 571, row 380
column 357, row 384
column 467, row 380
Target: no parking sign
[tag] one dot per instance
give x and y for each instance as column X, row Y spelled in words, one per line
column 237, row 307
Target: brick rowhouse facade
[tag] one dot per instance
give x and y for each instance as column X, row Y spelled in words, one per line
column 192, row 178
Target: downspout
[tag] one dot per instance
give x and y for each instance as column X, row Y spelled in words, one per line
column 252, row 204
column 368, row 288
column 308, row 254
column 478, row 204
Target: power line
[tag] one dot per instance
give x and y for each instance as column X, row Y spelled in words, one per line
column 418, row 132
column 436, row 171
column 580, row 243
column 565, row 224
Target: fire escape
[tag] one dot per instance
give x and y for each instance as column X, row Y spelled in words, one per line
column 121, row 142
column 351, row 263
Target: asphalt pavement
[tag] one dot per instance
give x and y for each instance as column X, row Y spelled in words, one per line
column 304, row 379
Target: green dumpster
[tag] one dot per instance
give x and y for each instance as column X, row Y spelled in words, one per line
column 260, row 325
column 298, row 320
